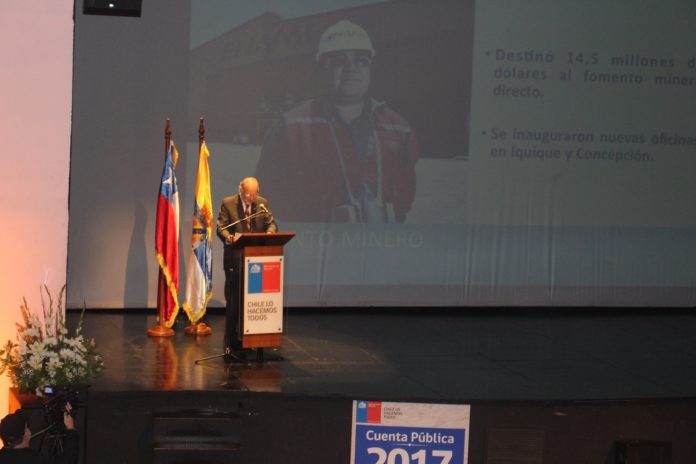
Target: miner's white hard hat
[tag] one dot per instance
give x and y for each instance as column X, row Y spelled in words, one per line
column 344, row 35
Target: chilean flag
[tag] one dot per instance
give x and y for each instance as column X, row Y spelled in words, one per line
column 264, row 277
column 369, row 411
column 167, row 234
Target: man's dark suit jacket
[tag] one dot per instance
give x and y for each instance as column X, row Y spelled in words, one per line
column 231, row 211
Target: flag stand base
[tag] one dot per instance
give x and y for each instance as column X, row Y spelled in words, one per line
column 160, row 331
column 198, row 329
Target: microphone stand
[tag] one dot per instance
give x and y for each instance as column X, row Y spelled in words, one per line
column 251, row 216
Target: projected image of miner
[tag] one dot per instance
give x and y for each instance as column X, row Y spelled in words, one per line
column 344, row 156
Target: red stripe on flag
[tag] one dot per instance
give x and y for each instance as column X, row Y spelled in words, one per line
column 271, row 277
column 374, row 412
column 167, row 247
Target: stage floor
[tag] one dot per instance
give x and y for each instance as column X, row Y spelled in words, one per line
column 455, row 356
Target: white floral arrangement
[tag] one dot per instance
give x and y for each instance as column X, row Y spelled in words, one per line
column 46, row 353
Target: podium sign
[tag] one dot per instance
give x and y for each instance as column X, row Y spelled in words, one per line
column 263, row 295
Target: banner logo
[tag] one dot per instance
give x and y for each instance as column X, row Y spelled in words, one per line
column 264, row 277
column 369, row 412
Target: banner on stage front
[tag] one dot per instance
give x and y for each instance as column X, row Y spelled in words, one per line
column 417, row 433
column 263, row 295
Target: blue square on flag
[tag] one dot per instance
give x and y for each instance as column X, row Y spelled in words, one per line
column 361, row 412
column 255, row 278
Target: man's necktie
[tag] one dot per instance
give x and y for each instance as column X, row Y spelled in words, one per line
column 247, row 213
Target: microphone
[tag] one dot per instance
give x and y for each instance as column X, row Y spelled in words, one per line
column 263, row 208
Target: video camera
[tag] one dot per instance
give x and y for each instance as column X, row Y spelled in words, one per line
column 55, row 402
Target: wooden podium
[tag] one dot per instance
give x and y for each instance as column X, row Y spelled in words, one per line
column 258, row 257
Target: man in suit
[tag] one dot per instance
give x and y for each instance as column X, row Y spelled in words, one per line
column 243, row 212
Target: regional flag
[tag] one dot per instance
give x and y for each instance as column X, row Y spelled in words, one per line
column 199, row 273
column 167, row 235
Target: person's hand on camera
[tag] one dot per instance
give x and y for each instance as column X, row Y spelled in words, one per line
column 68, row 419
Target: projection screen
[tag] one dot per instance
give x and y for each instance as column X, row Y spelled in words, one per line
column 504, row 153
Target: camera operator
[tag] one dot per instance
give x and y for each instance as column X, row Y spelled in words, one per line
column 15, row 434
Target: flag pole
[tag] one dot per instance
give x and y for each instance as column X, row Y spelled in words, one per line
column 161, row 330
column 201, row 328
